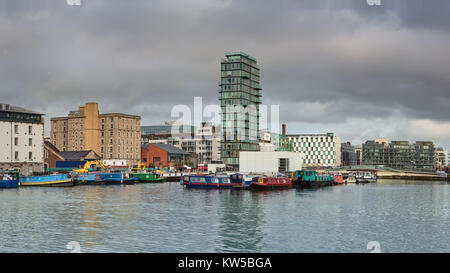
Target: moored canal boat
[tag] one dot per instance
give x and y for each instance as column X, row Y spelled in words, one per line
column 145, row 177
column 243, row 180
column 118, row 178
column 365, row 177
column 9, row 179
column 311, row 179
column 208, row 182
column 172, row 177
column 52, row 180
column 338, row 179
column 88, row 179
column 270, row 183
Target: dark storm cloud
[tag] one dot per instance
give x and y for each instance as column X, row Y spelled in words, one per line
column 325, row 62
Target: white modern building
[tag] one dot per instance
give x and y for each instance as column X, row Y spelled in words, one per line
column 207, row 144
column 269, row 162
column 320, row 150
column 21, row 139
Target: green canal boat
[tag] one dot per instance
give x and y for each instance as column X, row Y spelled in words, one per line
column 148, row 177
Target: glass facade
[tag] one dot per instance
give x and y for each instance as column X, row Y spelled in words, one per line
column 240, row 97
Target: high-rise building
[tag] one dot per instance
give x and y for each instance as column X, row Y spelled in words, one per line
column 113, row 136
column 321, row 150
column 21, row 139
column 240, row 96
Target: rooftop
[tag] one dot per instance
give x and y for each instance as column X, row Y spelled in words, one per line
column 166, row 147
column 16, row 109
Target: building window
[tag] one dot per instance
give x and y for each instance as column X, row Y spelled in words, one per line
column 30, row 130
column 283, row 164
column 16, row 129
column 30, row 142
column 156, row 159
column 16, row 156
column 30, row 156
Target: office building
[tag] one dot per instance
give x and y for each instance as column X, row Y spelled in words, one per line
column 319, row 150
column 240, row 97
column 348, row 154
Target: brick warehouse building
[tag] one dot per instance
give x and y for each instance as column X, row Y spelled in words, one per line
column 164, row 155
column 113, row 136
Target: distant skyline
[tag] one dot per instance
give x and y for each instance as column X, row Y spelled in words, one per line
column 341, row 66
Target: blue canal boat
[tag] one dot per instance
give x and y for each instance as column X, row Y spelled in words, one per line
column 117, row 178
column 89, row 179
column 243, row 181
column 311, row 179
column 9, row 179
column 53, row 180
column 208, row 182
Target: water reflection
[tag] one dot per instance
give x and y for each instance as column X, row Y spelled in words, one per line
column 241, row 218
column 404, row 217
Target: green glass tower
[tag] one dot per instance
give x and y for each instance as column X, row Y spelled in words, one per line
column 239, row 89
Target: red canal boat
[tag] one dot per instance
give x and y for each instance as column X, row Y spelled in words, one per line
column 338, row 180
column 270, row 183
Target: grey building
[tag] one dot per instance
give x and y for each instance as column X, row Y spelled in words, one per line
column 375, row 152
column 424, row 155
column 358, row 152
column 348, row 154
column 401, row 155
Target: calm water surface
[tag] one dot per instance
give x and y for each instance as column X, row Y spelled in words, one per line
column 401, row 216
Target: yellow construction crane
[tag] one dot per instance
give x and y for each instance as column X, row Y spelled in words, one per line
column 140, row 167
column 88, row 164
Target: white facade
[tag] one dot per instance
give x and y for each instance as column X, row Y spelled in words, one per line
column 207, row 144
column 19, row 141
column 115, row 163
column 269, row 162
column 322, row 150
column 212, row 168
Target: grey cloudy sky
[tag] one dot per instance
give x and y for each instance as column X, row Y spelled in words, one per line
column 339, row 66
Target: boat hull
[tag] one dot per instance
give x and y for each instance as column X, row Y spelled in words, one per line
column 173, row 178
column 210, row 185
column 260, row 187
column 270, row 183
column 57, row 180
column 89, row 179
column 9, row 184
